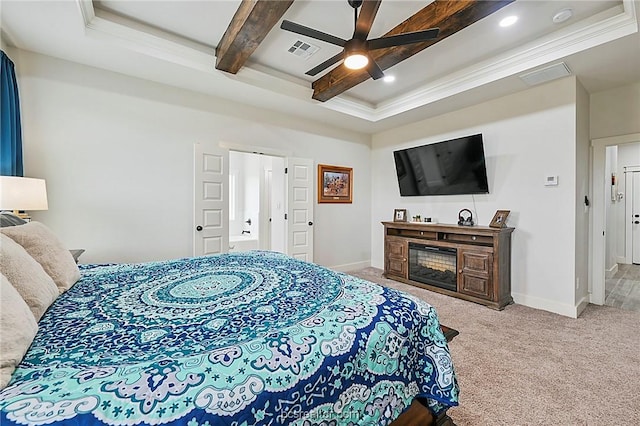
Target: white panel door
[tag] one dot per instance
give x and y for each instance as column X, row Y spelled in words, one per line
column 635, row 218
column 210, row 195
column 300, row 198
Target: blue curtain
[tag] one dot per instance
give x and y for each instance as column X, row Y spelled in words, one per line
column 10, row 131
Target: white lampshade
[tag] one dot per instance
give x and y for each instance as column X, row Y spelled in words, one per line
column 21, row 193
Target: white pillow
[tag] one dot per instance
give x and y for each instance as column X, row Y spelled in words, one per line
column 48, row 251
column 18, row 327
column 27, row 276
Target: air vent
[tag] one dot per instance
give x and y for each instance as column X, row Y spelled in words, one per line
column 549, row 73
column 303, row 49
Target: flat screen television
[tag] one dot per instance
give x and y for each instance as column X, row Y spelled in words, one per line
column 452, row 167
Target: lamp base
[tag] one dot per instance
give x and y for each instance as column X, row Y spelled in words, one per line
column 22, row 214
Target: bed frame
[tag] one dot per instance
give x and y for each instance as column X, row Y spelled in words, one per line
column 418, row 414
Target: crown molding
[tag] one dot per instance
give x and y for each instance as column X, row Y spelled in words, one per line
column 606, row 26
column 609, row 25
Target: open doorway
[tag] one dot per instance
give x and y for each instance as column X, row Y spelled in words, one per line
column 615, row 281
column 212, row 203
column 257, row 194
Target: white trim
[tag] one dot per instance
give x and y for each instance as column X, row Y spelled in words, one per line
column 348, row 267
column 581, row 306
column 600, row 28
column 606, row 26
column 254, row 149
column 597, row 241
column 572, row 311
column 613, row 270
column 631, row 169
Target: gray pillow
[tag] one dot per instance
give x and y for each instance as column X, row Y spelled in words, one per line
column 9, row 219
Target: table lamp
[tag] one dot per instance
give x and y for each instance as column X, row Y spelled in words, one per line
column 20, row 194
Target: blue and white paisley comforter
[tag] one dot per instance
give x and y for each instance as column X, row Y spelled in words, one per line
column 240, row 339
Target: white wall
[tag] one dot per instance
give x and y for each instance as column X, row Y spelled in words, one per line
column 615, row 112
column 117, row 154
column 527, row 136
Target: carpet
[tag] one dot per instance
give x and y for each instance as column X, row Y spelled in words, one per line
column 524, row 366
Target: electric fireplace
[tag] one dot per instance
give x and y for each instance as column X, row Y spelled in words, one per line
column 435, row 266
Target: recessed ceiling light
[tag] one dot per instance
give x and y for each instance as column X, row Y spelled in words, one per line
column 562, row 16
column 508, row 21
column 389, row 78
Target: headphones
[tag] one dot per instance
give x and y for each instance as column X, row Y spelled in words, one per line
column 465, row 219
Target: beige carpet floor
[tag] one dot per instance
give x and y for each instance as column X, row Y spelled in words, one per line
column 523, row 366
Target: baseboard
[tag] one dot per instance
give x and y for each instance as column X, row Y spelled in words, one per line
column 351, row 266
column 608, row 273
column 582, row 305
column 564, row 309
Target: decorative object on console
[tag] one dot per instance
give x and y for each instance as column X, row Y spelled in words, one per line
column 500, row 219
column 465, row 217
column 400, row 215
column 335, row 184
column 21, row 193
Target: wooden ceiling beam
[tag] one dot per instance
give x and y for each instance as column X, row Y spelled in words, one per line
column 450, row 16
column 250, row 25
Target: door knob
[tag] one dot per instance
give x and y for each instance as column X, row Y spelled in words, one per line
column 637, row 222
column 198, row 228
column 310, row 223
column 636, row 215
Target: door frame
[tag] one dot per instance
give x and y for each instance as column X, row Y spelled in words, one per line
column 287, row 155
column 597, row 240
column 629, row 175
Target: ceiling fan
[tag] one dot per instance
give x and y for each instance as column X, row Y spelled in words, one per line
column 355, row 51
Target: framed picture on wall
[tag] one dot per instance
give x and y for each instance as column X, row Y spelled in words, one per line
column 335, row 184
column 500, row 219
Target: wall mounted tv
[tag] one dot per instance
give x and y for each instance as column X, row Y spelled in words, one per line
column 450, row 167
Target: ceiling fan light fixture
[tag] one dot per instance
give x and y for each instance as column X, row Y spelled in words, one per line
column 356, row 61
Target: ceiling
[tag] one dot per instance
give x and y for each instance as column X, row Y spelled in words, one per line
column 173, row 42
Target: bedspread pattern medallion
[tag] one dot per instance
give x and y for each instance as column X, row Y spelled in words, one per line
column 240, row 339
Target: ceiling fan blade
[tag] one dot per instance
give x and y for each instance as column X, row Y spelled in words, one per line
column 367, row 14
column 374, row 70
column 310, row 32
column 406, row 38
column 326, row 64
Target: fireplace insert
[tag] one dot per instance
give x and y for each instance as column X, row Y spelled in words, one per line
column 435, row 266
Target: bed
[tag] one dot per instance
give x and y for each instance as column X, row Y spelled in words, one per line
column 255, row 338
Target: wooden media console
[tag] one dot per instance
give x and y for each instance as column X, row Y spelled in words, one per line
column 468, row 262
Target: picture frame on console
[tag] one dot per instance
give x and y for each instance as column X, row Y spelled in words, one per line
column 400, row 215
column 500, row 219
column 335, row 184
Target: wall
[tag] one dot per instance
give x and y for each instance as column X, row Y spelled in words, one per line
column 527, row 136
column 615, row 112
column 582, row 189
column 117, row 154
